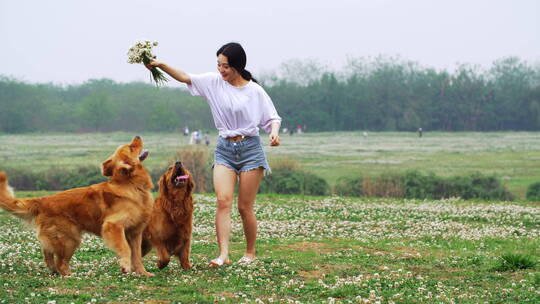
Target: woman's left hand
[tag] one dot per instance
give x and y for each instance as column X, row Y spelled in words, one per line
column 153, row 64
column 274, row 140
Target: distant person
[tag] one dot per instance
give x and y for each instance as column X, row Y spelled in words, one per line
column 193, row 138
column 291, row 131
column 239, row 156
column 419, row 132
column 206, row 139
column 299, row 129
column 186, row 131
column 365, row 134
column 285, row 130
column 198, row 137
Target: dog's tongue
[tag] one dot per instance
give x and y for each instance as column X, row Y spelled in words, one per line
column 143, row 155
column 181, row 177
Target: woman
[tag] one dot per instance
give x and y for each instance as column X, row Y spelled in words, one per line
column 239, row 106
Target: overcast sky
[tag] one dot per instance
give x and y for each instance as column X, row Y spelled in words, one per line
column 69, row 41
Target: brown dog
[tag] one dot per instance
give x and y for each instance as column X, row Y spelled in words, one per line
column 169, row 230
column 117, row 210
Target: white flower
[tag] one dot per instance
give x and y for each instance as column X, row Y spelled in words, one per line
column 141, row 50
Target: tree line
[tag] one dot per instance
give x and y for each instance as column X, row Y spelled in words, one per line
column 380, row 94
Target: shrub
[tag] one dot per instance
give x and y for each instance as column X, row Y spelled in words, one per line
column 388, row 185
column 477, row 186
column 284, row 182
column 25, row 180
column 419, row 186
column 288, row 182
column 473, row 186
column 383, row 186
column 348, row 186
column 288, row 178
column 63, row 179
column 54, row 178
column 533, row 192
column 315, row 185
column 414, row 184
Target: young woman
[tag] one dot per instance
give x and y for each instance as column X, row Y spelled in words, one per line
column 240, row 106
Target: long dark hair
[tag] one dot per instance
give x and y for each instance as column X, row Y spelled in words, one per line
column 237, row 58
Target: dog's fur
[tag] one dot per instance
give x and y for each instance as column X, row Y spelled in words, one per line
column 169, row 230
column 117, row 210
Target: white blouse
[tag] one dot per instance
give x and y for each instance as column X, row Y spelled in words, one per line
column 236, row 110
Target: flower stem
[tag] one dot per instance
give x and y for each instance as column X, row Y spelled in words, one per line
column 156, row 75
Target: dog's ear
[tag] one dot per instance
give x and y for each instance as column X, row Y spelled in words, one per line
column 107, row 168
column 190, row 185
column 163, row 185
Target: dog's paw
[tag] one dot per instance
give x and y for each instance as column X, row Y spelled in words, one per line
column 125, row 266
column 145, row 273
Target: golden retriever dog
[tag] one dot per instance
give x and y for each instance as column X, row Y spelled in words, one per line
column 169, row 230
column 117, row 210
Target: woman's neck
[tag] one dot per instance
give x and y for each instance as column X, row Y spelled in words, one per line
column 238, row 81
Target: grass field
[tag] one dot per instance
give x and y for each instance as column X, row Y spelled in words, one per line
column 310, row 250
column 511, row 156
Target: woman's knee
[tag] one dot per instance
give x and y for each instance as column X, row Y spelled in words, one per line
column 224, row 203
column 245, row 209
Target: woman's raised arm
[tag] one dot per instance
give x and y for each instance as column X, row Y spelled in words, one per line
column 174, row 73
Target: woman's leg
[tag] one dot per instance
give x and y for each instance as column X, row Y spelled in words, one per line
column 249, row 185
column 224, row 182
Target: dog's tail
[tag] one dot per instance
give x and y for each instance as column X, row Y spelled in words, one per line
column 25, row 209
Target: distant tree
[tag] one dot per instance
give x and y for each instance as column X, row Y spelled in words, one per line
column 512, row 79
column 302, row 72
column 382, row 93
column 22, row 106
column 96, row 112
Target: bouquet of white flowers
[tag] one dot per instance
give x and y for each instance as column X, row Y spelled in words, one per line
column 141, row 52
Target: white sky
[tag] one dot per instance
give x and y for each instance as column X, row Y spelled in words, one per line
column 70, row 41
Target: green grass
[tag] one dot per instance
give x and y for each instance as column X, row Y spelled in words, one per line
column 513, row 262
column 511, row 156
column 310, row 250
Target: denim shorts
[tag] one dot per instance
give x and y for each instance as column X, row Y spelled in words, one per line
column 241, row 156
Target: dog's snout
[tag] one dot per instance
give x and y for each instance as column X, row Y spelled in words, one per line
column 137, row 137
column 178, row 164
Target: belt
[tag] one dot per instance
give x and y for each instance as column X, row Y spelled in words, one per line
column 235, row 138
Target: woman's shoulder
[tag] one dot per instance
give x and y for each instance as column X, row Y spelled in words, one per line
column 207, row 75
column 257, row 88
column 252, row 85
column 208, row 79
